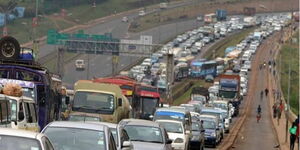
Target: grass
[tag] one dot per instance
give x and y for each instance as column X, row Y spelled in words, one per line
column 219, row 49
column 186, row 96
column 290, row 54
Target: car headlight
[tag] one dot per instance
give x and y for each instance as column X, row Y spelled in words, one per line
column 178, row 140
column 213, row 134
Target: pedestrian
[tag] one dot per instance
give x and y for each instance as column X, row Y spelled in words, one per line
column 274, row 110
column 266, row 91
column 258, row 116
column 293, row 131
column 298, row 126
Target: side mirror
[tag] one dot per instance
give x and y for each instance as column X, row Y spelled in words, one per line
column 67, row 100
column 217, row 129
column 119, row 101
column 21, row 116
column 202, row 130
column 169, row 141
column 126, row 144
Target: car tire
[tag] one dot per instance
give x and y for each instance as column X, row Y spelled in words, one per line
column 9, row 48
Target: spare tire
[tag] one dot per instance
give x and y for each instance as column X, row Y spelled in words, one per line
column 9, row 48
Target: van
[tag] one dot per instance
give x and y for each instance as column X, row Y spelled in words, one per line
column 18, row 113
column 178, row 113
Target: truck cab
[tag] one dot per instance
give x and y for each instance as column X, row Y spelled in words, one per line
column 18, row 113
column 98, row 101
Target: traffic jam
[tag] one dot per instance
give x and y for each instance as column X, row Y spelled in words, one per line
column 128, row 111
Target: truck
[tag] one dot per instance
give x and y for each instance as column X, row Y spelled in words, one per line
column 249, row 11
column 249, row 21
column 98, row 102
column 18, row 113
column 221, row 14
column 229, row 89
column 200, row 94
column 210, row 18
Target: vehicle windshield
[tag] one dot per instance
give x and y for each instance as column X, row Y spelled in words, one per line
column 227, row 94
column 28, row 92
column 220, row 105
column 18, row 143
column 93, row 102
column 195, row 126
column 189, row 108
column 149, row 89
column 144, row 134
column 75, row 138
column 149, row 105
column 199, row 98
column 172, row 127
column 83, row 118
column 209, row 124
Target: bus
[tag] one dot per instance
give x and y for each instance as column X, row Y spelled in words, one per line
column 201, row 68
column 18, row 64
column 146, row 100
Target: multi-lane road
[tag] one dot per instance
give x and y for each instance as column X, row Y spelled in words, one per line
column 100, row 65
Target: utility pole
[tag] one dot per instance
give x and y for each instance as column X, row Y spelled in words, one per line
column 35, row 23
column 170, row 74
column 88, row 67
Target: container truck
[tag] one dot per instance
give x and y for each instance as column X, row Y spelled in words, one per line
column 221, row 14
column 229, row 89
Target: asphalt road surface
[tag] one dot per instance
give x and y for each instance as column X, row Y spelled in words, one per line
column 260, row 135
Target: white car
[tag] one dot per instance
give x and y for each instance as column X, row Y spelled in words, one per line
column 142, row 13
column 125, row 19
column 247, row 64
column 12, row 139
column 176, row 133
column 79, row 64
column 146, row 62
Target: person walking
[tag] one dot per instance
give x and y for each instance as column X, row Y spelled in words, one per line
column 278, row 112
column 293, row 131
column 266, row 92
column 274, row 110
column 258, row 116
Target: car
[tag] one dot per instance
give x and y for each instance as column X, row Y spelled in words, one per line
column 125, row 19
column 146, row 135
column 198, row 138
column 212, row 131
column 79, row 135
column 209, row 78
column 120, row 136
column 13, row 139
column 176, row 133
column 79, row 64
column 218, row 114
column 142, row 13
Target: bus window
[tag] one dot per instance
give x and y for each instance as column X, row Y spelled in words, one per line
column 4, row 73
column 27, row 76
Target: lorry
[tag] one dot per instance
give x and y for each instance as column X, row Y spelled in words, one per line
column 200, row 94
column 98, row 102
column 210, row 18
column 229, row 89
column 18, row 113
column 249, row 21
column 221, row 14
column 249, row 11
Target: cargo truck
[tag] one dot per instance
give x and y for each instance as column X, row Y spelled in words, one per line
column 98, row 102
column 200, row 94
column 229, row 89
column 221, row 14
column 210, row 18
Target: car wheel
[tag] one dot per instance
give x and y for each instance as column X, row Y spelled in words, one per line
column 9, row 48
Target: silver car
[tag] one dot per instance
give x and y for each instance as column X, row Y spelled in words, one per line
column 146, row 135
column 13, row 139
column 65, row 135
